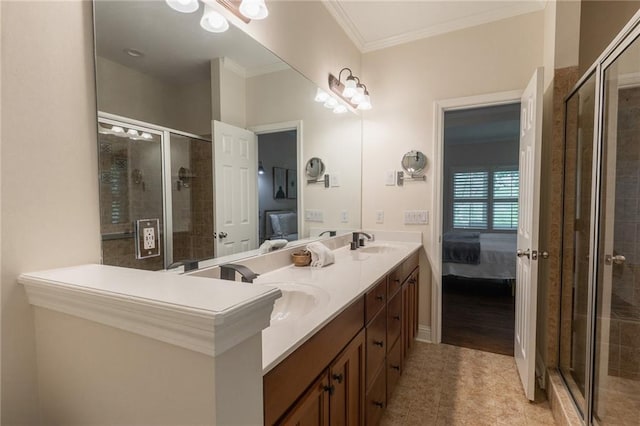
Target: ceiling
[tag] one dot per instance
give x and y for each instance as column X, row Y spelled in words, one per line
column 373, row 24
column 174, row 45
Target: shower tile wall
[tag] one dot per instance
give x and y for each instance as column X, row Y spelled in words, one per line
column 624, row 349
column 193, row 206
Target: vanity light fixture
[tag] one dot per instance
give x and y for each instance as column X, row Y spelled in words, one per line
column 352, row 91
column 254, row 9
column 321, row 96
column 340, row 109
column 213, row 21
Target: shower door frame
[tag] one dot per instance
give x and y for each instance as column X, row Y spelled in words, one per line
column 165, row 149
column 616, row 48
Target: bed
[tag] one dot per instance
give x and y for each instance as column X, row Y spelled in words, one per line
column 484, row 256
column 281, row 224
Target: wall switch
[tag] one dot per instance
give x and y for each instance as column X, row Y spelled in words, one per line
column 379, row 216
column 335, row 180
column 390, row 178
column 314, row 215
column 416, row 217
column 149, row 237
column 344, row 216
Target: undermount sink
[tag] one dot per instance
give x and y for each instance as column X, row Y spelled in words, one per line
column 297, row 301
column 378, row 248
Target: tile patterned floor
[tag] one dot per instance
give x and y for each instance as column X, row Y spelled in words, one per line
column 450, row 385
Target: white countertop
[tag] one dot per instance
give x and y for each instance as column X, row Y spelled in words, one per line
column 203, row 314
column 352, row 275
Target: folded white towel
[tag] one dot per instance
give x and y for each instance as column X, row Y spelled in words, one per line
column 270, row 245
column 320, row 255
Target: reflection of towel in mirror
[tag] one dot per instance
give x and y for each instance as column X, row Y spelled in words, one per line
column 271, row 245
column 320, row 255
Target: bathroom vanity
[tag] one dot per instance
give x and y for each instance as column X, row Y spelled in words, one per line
column 120, row 345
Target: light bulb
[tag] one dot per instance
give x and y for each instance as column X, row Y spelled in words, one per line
column 213, row 21
column 254, row 9
column 117, row 129
column 349, row 88
column 133, row 132
column 184, row 6
column 365, row 104
column 331, row 103
column 321, row 96
column 340, row 109
column 146, row 135
column 359, row 96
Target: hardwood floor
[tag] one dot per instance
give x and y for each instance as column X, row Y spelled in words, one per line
column 478, row 314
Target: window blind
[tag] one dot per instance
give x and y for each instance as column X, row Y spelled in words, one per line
column 470, row 192
column 506, row 185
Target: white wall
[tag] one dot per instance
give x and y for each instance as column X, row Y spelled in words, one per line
column 335, row 138
column 405, row 81
column 49, row 171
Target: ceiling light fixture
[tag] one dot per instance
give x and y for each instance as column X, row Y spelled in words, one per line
column 260, row 168
column 254, row 9
column 134, row 53
column 213, row 21
column 184, row 6
column 352, row 91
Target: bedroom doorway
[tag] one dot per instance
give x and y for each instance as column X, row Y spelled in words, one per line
column 278, row 195
column 480, row 184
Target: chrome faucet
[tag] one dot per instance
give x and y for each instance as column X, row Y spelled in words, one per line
column 359, row 242
column 228, row 272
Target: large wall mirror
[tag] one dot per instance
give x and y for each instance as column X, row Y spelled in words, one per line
column 210, row 134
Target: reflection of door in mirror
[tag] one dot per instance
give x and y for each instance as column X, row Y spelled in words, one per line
column 277, row 189
column 130, row 173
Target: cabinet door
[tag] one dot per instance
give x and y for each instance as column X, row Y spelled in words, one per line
column 346, row 375
column 313, row 407
column 376, row 400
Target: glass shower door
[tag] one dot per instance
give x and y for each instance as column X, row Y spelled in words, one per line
column 616, row 388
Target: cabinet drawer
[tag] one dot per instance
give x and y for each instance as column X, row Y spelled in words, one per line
column 376, row 345
column 394, row 367
column 410, row 264
column 375, row 299
column 394, row 319
column 395, row 281
column 376, row 400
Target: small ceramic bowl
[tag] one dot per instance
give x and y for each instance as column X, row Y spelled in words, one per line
column 301, row 258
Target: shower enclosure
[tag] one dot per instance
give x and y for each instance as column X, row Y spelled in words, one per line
column 151, row 172
column 600, row 305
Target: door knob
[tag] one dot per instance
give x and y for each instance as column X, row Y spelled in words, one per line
column 221, row 235
column 618, row 259
column 521, row 253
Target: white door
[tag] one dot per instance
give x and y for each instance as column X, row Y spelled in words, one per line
column 527, row 255
column 236, row 194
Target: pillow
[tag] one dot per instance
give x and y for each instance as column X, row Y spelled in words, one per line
column 288, row 223
column 275, row 224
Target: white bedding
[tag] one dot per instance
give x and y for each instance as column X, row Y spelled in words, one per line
column 497, row 259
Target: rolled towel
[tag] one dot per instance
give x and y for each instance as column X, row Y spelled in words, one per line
column 320, row 255
column 270, row 245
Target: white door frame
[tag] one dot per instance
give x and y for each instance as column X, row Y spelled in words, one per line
column 284, row 126
column 439, row 108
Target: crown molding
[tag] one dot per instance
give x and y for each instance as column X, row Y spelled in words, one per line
column 343, row 19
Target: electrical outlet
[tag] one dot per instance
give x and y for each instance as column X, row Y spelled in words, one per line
column 344, row 216
column 335, row 180
column 380, row 216
column 149, row 236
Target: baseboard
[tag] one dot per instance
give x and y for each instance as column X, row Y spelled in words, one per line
column 424, row 334
column 541, row 370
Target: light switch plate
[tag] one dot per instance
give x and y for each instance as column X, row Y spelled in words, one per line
column 380, row 216
column 390, row 178
column 344, row 216
column 147, row 238
column 335, row 180
column 416, row 217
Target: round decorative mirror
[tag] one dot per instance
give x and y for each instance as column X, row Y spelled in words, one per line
column 414, row 163
column 314, row 168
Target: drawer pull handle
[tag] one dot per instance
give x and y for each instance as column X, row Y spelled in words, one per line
column 378, row 404
column 396, row 367
column 396, row 317
column 379, row 297
column 397, row 280
column 329, row 389
column 378, row 343
column 412, row 281
column 337, row 378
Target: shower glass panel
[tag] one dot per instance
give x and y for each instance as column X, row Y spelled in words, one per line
column 574, row 322
column 617, row 339
column 192, row 198
column 130, row 181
